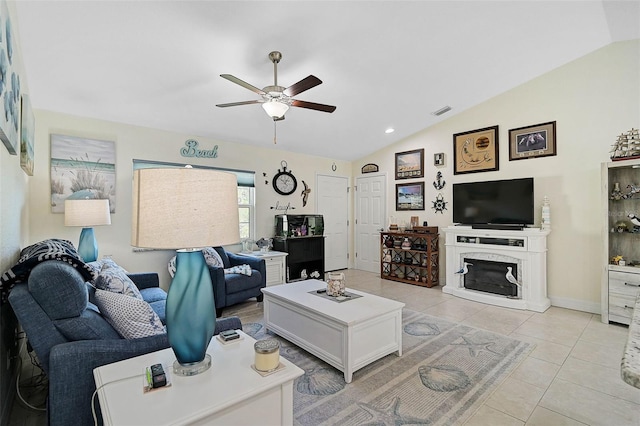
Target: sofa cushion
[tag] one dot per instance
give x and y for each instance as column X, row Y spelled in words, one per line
column 114, row 278
column 238, row 282
column 131, row 317
column 90, row 325
column 153, row 294
column 160, row 308
column 59, row 289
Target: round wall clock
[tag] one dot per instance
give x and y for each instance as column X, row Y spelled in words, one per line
column 284, row 183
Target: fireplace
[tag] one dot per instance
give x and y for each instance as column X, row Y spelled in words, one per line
column 490, row 277
column 490, row 252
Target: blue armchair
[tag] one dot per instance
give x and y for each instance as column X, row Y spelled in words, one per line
column 229, row 289
column 71, row 338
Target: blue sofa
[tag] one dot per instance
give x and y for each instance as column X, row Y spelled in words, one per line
column 71, row 337
column 229, row 289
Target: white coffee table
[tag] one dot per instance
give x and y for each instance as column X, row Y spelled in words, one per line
column 230, row 392
column 347, row 335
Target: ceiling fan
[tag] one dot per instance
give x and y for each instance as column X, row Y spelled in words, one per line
column 276, row 100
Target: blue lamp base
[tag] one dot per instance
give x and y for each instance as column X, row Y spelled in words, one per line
column 88, row 246
column 190, row 310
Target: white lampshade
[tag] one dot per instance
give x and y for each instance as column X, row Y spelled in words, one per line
column 275, row 109
column 87, row 213
column 177, row 208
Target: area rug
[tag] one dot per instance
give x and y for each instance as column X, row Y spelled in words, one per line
column 445, row 373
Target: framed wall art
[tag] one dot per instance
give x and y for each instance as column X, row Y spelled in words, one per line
column 9, row 83
column 475, row 151
column 534, row 141
column 82, row 168
column 410, row 164
column 27, row 129
column 410, row 196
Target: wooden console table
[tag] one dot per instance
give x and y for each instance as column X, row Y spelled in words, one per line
column 418, row 264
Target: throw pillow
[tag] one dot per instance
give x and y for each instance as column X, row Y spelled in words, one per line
column 113, row 278
column 172, row 266
column 132, row 318
column 210, row 256
column 239, row 269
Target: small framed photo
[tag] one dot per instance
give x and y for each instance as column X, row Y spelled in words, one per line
column 410, row 196
column 534, row 141
column 475, row 151
column 410, row 164
column 438, row 159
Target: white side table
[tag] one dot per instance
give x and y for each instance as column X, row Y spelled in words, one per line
column 230, row 392
column 275, row 263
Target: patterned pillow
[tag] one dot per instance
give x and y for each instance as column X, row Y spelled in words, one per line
column 210, row 256
column 239, row 269
column 113, row 278
column 132, row 318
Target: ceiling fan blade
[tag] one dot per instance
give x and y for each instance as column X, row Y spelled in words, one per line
column 239, row 103
column 312, row 105
column 243, row 84
column 304, row 84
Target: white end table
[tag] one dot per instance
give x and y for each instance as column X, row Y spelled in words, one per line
column 275, row 264
column 230, row 392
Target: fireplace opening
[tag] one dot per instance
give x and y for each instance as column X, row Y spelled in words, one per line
column 490, row 277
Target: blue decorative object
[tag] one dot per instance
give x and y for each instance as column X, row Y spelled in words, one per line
column 88, row 246
column 190, row 313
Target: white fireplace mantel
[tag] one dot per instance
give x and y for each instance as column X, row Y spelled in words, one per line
column 527, row 248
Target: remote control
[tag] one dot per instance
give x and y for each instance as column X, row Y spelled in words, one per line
column 229, row 335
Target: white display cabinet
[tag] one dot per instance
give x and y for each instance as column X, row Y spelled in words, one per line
column 621, row 273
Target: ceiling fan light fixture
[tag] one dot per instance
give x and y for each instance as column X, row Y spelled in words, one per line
column 275, row 109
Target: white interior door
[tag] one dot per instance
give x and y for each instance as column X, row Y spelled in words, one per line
column 333, row 204
column 371, row 202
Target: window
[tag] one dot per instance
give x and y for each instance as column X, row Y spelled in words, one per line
column 246, row 193
column 246, row 211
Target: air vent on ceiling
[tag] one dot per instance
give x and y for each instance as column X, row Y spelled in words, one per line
column 442, row 110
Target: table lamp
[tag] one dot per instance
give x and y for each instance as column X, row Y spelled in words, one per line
column 87, row 213
column 186, row 209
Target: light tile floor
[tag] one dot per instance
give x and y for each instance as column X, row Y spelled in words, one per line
column 572, row 377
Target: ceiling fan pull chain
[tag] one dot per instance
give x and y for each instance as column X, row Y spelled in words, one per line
column 275, row 133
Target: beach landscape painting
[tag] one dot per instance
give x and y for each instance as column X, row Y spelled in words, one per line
column 82, row 168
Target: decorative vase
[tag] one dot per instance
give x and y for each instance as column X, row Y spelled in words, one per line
column 388, row 242
column 406, row 244
column 190, row 311
column 88, row 246
column 546, row 214
column 335, row 284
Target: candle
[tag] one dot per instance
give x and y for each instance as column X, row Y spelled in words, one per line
column 267, row 354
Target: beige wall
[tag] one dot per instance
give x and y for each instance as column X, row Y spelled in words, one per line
column 143, row 143
column 14, row 207
column 592, row 99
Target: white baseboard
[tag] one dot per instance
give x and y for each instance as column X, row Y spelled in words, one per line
column 578, row 305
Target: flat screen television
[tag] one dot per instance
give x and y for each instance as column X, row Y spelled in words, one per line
column 498, row 203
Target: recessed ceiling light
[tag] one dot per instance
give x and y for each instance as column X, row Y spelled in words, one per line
column 442, row 110
column 390, row 130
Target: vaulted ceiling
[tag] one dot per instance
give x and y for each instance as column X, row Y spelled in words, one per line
column 383, row 63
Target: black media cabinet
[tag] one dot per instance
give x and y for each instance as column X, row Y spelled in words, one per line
column 305, row 253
